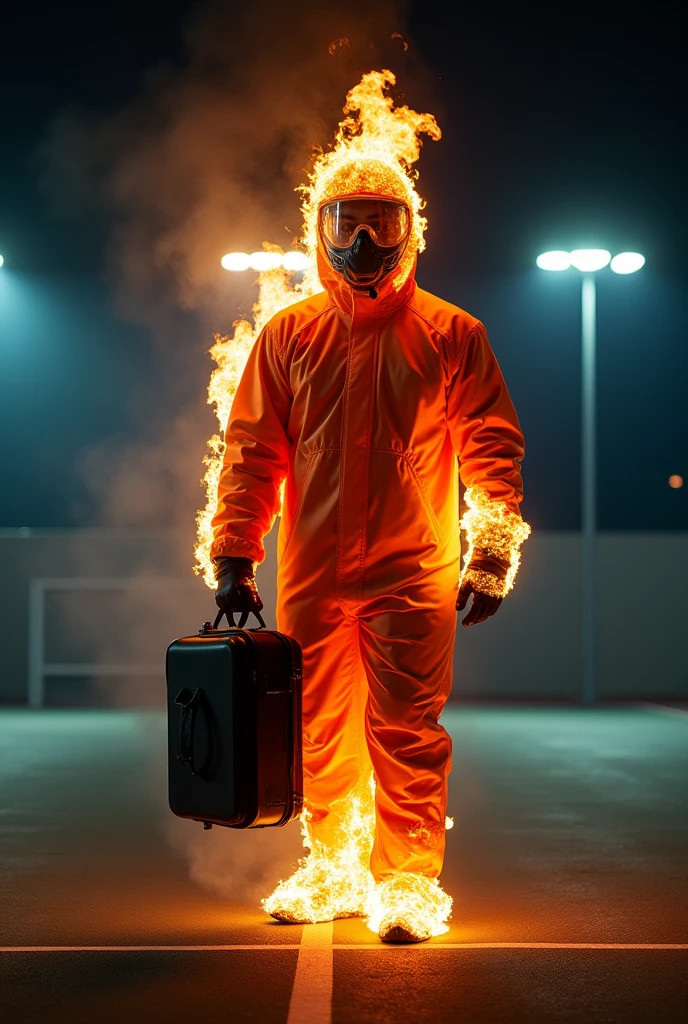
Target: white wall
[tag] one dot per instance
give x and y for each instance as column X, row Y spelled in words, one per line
column 530, row 649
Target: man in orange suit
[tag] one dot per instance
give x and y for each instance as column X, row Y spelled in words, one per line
column 361, row 398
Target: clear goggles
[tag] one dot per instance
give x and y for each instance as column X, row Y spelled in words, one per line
column 386, row 221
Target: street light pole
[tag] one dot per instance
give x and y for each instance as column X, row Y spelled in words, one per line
column 588, row 484
column 588, row 262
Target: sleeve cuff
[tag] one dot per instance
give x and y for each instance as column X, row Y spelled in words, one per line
column 237, row 547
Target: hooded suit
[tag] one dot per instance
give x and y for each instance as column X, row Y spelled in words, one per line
column 362, row 405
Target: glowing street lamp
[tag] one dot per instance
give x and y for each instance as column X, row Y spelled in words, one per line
column 589, row 262
column 555, row 260
column 297, row 261
column 239, row 261
column 236, row 261
column 265, row 260
column 627, row 263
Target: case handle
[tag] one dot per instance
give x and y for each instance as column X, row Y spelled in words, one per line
column 242, row 620
column 189, row 701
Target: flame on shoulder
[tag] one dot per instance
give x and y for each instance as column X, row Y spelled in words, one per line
column 374, row 150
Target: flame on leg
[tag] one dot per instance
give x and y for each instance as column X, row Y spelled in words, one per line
column 334, row 880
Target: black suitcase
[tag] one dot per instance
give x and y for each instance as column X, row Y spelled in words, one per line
column 234, row 726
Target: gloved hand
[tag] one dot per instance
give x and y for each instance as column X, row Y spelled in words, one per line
column 483, row 605
column 236, row 586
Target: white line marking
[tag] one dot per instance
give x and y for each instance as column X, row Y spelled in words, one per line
column 662, row 709
column 141, row 949
column 311, row 996
column 520, row 945
column 311, row 945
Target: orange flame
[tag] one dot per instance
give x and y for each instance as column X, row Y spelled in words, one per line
column 493, row 528
column 332, row 881
column 343, row 41
column 335, row 881
column 276, row 291
column 375, row 148
column 374, row 151
column 415, row 903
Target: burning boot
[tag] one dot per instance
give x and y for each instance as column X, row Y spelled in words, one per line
column 334, row 880
column 406, row 907
column 324, row 887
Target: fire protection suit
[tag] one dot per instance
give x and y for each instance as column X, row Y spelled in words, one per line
column 362, row 405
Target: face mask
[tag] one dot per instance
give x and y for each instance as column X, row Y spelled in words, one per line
column 364, row 238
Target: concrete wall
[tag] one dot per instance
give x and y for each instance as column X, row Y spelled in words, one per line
column 531, row 649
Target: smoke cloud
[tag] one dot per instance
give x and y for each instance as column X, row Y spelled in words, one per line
column 205, row 160
column 242, row 865
column 209, row 156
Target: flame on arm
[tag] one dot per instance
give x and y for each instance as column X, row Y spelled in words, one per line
column 491, row 527
column 488, row 440
column 255, row 457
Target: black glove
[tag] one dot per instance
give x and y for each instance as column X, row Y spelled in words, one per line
column 236, row 586
column 483, row 605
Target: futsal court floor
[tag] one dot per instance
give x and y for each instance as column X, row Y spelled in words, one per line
column 568, row 864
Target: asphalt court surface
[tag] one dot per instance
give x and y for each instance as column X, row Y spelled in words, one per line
column 567, row 863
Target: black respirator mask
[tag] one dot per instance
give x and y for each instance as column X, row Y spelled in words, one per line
column 364, row 238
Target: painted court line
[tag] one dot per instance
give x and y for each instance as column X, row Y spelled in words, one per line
column 521, row 945
column 315, row 944
column 311, row 995
column 143, row 949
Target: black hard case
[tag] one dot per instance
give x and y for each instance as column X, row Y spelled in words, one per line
column 234, row 727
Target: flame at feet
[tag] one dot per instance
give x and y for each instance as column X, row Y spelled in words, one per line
column 406, row 907
column 334, row 880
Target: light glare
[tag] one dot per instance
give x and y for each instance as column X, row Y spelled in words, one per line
column 557, row 259
column 589, row 260
column 236, row 261
column 627, row 263
column 295, row 261
column 265, row 260
column 1, row 260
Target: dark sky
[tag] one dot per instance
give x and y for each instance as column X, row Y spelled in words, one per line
column 562, row 127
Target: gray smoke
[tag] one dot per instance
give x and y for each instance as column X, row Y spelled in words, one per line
column 208, row 157
column 205, row 160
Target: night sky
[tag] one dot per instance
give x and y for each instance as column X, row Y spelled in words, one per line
column 563, row 127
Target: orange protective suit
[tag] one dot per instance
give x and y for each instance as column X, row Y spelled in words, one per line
column 363, row 405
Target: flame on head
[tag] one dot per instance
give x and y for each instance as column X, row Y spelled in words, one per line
column 374, row 152
column 375, row 148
